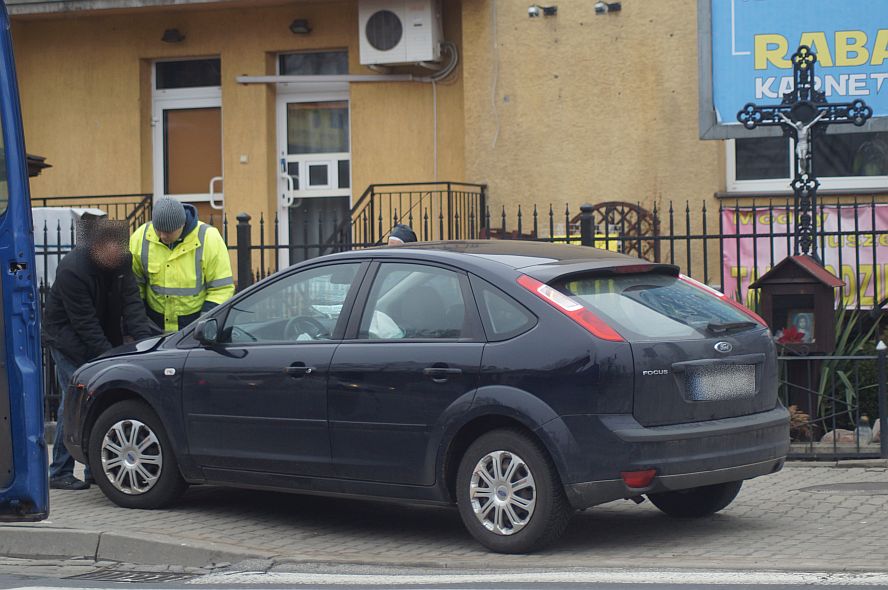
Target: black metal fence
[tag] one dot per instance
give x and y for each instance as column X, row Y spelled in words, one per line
column 838, row 405
column 728, row 247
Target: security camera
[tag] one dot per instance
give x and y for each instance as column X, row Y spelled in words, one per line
column 605, row 7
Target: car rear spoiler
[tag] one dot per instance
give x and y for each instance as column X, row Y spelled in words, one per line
column 548, row 273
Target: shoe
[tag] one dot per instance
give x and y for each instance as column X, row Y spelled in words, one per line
column 68, row 482
column 90, row 480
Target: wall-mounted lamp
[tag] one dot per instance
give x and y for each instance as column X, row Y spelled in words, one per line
column 300, row 26
column 172, row 36
column 605, row 7
column 535, row 10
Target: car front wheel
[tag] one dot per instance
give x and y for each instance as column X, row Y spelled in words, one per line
column 696, row 502
column 509, row 494
column 131, row 457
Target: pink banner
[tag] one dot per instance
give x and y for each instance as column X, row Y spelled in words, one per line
column 857, row 252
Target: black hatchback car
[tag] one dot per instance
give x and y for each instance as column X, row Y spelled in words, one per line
column 520, row 381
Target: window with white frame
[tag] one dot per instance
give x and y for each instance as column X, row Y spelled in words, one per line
column 187, row 121
column 853, row 161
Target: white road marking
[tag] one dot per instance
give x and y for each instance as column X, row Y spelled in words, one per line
column 578, row 577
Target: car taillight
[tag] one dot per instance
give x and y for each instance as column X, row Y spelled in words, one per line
column 571, row 308
column 756, row 317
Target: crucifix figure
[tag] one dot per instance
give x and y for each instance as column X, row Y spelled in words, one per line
column 803, row 140
column 804, row 116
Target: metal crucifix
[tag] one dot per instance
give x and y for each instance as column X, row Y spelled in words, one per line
column 804, row 114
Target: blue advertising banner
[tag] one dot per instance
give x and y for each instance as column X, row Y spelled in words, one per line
column 750, row 43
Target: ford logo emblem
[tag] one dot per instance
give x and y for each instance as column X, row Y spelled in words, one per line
column 724, row 347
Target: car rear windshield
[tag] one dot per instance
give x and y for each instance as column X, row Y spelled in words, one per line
column 651, row 306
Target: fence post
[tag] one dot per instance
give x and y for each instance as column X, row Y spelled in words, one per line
column 244, row 251
column 482, row 207
column 587, row 231
column 883, row 401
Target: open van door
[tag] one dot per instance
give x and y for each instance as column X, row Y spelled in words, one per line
column 24, row 486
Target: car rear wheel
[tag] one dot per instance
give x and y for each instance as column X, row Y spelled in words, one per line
column 696, row 502
column 131, row 457
column 509, row 494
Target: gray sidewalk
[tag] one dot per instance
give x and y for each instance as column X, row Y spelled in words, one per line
column 777, row 522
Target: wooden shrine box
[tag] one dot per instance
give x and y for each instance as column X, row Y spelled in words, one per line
column 798, row 300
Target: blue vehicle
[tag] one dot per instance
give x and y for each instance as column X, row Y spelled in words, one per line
column 24, row 488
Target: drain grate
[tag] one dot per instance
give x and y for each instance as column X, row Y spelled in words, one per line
column 873, row 488
column 108, row 575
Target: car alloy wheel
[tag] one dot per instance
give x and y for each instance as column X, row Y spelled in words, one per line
column 508, row 492
column 503, row 492
column 132, row 457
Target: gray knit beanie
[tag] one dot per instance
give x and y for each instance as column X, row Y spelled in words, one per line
column 169, row 214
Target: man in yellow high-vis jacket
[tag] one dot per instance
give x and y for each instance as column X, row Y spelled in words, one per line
column 181, row 265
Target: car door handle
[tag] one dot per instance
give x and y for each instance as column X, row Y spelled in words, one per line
column 440, row 374
column 298, row 371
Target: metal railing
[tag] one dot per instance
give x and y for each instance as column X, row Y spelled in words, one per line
column 728, row 247
column 433, row 209
column 835, row 404
column 133, row 207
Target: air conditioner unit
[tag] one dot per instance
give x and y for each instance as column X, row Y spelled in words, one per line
column 399, row 31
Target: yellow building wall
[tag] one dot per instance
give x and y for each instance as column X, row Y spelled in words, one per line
column 86, row 96
column 580, row 107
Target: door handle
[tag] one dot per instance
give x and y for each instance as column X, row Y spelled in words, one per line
column 440, row 374
column 298, row 371
column 213, row 193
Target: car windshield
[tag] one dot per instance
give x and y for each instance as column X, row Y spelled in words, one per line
column 651, row 306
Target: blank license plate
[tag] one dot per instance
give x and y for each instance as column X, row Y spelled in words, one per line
column 720, row 382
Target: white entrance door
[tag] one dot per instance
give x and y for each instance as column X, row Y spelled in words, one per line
column 187, row 130
column 314, row 169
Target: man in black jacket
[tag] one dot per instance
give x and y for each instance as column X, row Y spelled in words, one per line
column 93, row 305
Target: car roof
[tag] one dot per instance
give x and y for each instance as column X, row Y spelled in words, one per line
column 542, row 260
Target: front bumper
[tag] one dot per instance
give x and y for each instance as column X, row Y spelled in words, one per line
column 683, row 455
column 75, row 410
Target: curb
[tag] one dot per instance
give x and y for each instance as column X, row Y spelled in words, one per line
column 44, row 542
column 29, row 542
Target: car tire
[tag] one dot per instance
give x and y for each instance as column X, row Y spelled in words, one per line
column 540, row 510
column 132, row 459
column 696, row 502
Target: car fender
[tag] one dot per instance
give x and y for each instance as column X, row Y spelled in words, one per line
column 141, row 381
column 449, row 423
column 522, row 407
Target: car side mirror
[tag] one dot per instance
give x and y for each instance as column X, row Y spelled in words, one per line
column 207, row 332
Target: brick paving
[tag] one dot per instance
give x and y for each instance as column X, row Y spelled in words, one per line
column 775, row 523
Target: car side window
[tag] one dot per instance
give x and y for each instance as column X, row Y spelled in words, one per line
column 414, row 301
column 502, row 316
column 299, row 308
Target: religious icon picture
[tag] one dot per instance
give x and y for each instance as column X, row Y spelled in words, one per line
column 803, row 322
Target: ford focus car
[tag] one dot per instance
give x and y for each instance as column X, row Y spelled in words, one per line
column 520, row 381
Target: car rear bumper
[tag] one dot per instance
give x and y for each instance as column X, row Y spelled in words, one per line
column 683, row 455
